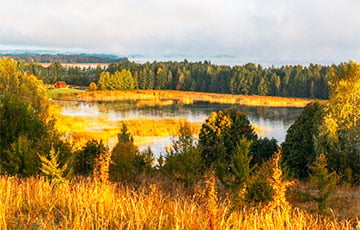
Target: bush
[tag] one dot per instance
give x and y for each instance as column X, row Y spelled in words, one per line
column 325, row 183
column 92, row 86
column 127, row 163
column 220, row 135
column 183, row 160
column 262, row 150
column 85, row 158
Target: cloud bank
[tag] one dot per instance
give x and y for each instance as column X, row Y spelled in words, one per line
column 262, row 31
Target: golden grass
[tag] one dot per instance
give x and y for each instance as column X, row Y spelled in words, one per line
column 156, row 97
column 34, row 203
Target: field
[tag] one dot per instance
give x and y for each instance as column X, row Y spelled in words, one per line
column 34, row 203
column 81, row 65
column 63, row 92
column 185, row 97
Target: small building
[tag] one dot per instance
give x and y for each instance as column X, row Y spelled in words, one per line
column 60, row 84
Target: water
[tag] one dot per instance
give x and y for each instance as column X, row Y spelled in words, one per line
column 273, row 120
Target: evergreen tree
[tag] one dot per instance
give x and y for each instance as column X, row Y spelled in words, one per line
column 298, row 151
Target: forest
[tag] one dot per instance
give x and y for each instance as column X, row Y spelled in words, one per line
column 229, row 178
column 249, row 79
column 64, row 58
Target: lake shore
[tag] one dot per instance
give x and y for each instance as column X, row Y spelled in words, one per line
column 159, row 97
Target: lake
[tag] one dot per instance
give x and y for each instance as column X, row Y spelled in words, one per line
column 274, row 121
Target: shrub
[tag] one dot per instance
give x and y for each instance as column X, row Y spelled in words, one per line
column 220, row 135
column 325, row 183
column 92, row 86
column 183, row 160
column 127, row 163
column 85, row 158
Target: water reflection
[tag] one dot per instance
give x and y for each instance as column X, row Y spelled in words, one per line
column 274, row 119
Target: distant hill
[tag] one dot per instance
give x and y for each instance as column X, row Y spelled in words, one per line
column 61, row 58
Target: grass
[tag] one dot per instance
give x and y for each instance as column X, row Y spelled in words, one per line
column 35, row 203
column 63, row 92
column 156, row 97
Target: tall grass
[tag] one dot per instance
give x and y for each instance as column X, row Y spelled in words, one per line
column 159, row 97
column 34, row 203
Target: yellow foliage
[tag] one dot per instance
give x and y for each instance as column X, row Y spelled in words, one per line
column 188, row 97
column 278, row 185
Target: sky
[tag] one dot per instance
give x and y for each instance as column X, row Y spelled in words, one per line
column 270, row 32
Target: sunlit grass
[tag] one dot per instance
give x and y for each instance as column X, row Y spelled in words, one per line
column 34, row 203
column 63, row 92
column 157, row 97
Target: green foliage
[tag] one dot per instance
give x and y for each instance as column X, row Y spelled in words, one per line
column 262, row 150
column 20, row 158
column 294, row 81
column 25, row 128
column 325, row 182
column 238, row 172
column 126, row 161
column 51, row 168
column 258, row 189
column 220, row 135
column 183, row 160
column 122, row 80
column 85, row 158
column 339, row 135
column 298, row 151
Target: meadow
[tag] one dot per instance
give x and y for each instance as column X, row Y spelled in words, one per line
column 155, row 97
column 63, row 92
column 35, row 203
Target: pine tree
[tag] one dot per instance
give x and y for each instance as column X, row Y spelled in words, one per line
column 324, row 181
column 51, row 168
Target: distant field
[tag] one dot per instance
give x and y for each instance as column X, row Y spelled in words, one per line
column 185, row 97
column 81, row 65
column 64, row 92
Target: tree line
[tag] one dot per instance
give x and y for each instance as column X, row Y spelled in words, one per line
column 62, row 58
column 249, row 79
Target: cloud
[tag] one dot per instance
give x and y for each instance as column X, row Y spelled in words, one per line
column 264, row 31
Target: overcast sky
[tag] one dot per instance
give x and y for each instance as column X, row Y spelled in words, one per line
column 261, row 31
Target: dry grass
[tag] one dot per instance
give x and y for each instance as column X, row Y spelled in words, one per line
column 345, row 202
column 156, row 97
column 34, row 203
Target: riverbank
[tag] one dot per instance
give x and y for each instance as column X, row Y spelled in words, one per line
column 158, row 97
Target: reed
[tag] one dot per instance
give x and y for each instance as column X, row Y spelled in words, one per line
column 164, row 97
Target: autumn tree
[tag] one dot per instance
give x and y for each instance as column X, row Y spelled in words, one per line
column 92, row 86
column 120, row 80
column 25, row 127
column 339, row 135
